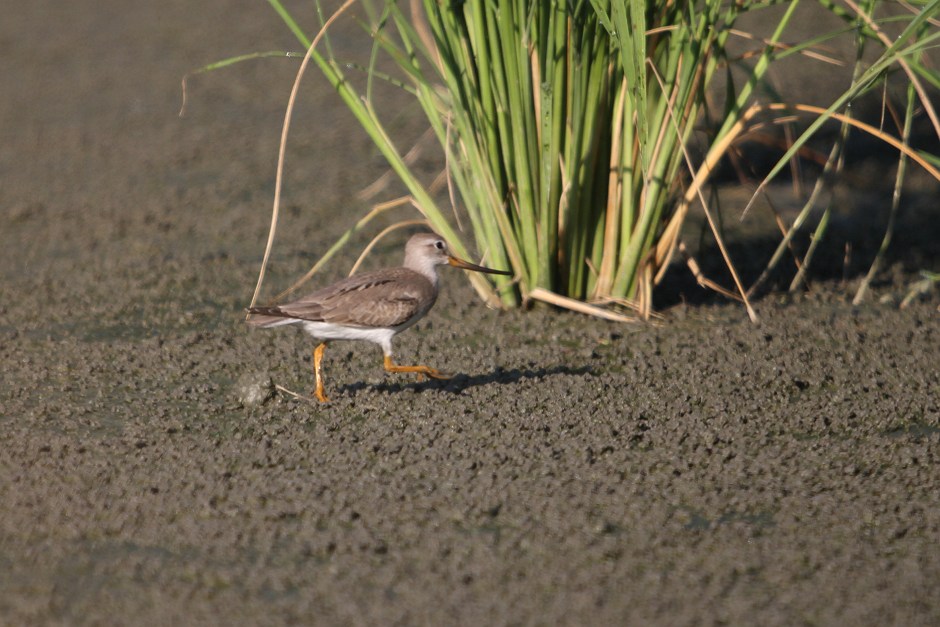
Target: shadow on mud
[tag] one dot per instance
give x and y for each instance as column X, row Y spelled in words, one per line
column 461, row 382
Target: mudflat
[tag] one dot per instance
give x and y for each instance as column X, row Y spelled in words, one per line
column 701, row 470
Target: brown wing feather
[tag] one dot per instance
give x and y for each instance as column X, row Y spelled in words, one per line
column 387, row 298
column 265, row 316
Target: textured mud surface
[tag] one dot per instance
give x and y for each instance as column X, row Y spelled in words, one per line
column 703, row 471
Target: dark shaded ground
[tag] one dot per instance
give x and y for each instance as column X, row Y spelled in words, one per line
column 704, row 471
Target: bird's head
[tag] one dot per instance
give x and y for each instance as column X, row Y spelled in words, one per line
column 424, row 251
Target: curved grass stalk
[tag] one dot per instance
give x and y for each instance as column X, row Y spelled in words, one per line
column 283, row 147
column 825, row 114
column 375, row 240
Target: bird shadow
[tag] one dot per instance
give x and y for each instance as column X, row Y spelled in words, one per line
column 461, row 382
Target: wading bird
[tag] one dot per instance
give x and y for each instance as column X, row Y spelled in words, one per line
column 374, row 306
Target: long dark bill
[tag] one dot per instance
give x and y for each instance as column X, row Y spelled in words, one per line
column 466, row 265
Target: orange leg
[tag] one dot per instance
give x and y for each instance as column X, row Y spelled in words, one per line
column 391, row 366
column 317, row 372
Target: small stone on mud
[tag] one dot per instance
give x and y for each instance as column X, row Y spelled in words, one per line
column 254, row 389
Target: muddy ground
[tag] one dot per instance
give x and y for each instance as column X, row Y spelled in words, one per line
column 701, row 471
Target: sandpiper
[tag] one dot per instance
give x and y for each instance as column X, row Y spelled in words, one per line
column 374, row 306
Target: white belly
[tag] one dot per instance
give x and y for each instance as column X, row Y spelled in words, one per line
column 330, row 331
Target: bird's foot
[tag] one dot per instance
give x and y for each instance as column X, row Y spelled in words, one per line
column 420, row 371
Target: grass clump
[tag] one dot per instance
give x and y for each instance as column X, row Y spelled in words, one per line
column 565, row 125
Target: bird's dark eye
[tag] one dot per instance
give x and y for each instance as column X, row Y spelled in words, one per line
column 439, row 245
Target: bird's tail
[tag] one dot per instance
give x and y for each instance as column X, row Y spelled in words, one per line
column 265, row 317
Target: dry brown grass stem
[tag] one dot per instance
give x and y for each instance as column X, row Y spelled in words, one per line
column 812, row 54
column 546, row 296
column 297, row 395
column 700, row 277
column 868, row 128
column 283, row 146
column 605, row 274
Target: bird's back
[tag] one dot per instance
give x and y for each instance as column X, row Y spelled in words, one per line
column 389, row 298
